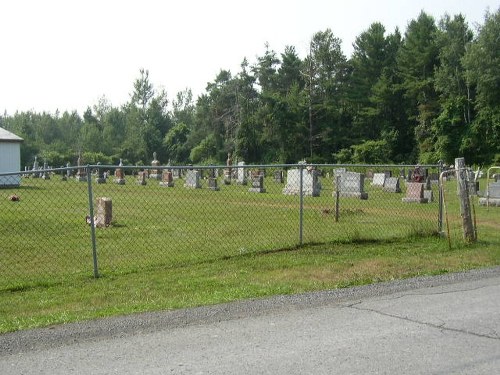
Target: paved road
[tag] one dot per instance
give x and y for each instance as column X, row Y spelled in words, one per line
column 433, row 325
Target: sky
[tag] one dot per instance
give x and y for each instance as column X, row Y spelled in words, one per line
column 66, row 55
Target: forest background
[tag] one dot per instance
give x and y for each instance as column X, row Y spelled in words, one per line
column 431, row 93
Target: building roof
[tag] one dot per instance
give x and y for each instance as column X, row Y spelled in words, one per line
column 7, row 136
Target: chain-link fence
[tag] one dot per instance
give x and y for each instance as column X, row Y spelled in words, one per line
column 99, row 220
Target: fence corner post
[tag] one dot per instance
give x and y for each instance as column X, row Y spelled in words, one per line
column 465, row 206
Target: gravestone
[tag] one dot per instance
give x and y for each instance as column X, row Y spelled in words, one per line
column 492, row 195
column 119, row 175
column 176, row 173
column 81, row 174
column 351, row 184
column 141, row 178
column 167, row 179
column 242, row 174
column 155, row 173
column 378, row 179
column 100, row 179
column 257, row 184
column 35, row 169
column 45, row 174
column 369, row 174
column 414, row 193
column 278, row 176
column 104, row 211
column 212, row 184
column 310, row 182
column 391, row 185
column 434, row 177
column 338, row 171
column 68, row 170
column 192, row 179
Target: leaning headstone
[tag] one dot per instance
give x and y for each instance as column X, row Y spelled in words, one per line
column 378, row 179
column 192, row 179
column 257, row 184
column 242, row 175
column 351, row 184
column 414, row 193
column 392, row 185
column 167, row 179
column 119, row 175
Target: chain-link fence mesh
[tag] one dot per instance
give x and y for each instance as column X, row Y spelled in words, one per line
column 150, row 217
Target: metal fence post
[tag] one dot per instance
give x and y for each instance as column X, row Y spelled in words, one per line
column 301, row 202
column 92, row 224
column 441, row 198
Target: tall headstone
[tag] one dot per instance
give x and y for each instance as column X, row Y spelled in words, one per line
column 45, row 174
column 351, row 184
column 104, row 215
column 81, row 174
column 35, row 168
column 155, row 173
column 119, row 174
column 68, row 170
column 228, row 170
column 242, row 174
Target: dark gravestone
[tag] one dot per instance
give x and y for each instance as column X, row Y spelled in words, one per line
column 392, row 185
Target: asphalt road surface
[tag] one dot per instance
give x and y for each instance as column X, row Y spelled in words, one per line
column 431, row 325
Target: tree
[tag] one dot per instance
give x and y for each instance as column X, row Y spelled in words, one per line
column 482, row 63
column 417, row 60
column 325, row 71
column 450, row 83
column 147, row 121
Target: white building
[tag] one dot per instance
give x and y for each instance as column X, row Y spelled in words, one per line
column 10, row 158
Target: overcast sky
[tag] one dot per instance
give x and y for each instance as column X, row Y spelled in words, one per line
column 66, row 54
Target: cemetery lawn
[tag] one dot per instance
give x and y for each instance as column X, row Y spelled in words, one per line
column 213, row 255
column 299, row 270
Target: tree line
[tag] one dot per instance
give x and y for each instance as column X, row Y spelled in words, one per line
column 432, row 93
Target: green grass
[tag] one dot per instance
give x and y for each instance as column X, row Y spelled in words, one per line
column 172, row 248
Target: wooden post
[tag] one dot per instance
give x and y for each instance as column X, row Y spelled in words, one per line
column 463, row 196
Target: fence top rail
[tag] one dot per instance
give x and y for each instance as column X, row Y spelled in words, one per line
column 236, row 166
